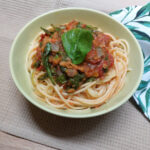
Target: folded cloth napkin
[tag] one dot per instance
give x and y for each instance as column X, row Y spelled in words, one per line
column 137, row 20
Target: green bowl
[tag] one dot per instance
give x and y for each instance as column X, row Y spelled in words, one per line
column 23, row 41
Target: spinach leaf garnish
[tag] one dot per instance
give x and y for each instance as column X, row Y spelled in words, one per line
column 45, row 58
column 77, row 43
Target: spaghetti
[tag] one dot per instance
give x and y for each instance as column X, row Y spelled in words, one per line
column 104, row 74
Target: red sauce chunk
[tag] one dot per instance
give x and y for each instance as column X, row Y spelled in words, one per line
column 99, row 59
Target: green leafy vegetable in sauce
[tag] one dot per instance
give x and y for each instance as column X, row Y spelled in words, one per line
column 106, row 57
column 105, row 70
column 54, row 28
column 45, row 58
column 58, row 29
column 91, row 28
column 53, row 70
column 42, row 77
column 79, row 25
column 63, row 69
column 77, row 43
column 56, row 56
column 61, row 79
column 63, row 54
column 37, row 64
column 76, row 80
column 90, row 79
column 46, row 31
column 41, row 44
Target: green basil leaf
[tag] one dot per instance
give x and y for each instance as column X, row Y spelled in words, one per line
column 77, row 43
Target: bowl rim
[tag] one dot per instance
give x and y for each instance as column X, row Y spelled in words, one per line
column 67, row 115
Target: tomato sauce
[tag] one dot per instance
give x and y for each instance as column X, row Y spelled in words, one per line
column 97, row 62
